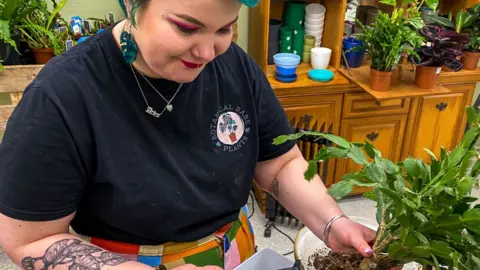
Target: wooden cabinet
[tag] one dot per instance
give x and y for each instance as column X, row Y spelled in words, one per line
column 319, row 113
column 385, row 133
column 437, row 121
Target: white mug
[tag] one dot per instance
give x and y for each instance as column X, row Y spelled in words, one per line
column 320, row 57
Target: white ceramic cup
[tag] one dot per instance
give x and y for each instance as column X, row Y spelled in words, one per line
column 314, row 33
column 315, row 10
column 313, row 27
column 320, row 57
column 314, row 21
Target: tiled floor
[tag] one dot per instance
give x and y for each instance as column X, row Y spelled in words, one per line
column 352, row 206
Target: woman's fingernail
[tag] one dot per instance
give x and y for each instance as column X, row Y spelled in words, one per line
column 368, row 251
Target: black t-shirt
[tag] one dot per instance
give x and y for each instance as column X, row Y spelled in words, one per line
column 80, row 140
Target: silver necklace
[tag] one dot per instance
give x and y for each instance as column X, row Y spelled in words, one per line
column 150, row 110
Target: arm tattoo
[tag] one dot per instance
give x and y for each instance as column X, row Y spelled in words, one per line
column 77, row 254
column 276, row 188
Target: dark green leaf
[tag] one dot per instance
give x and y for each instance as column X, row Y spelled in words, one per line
column 284, row 138
column 416, row 22
column 455, row 157
column 401, row 209
column 343, row 188
column 356, row 154
column 322, row 155
column 421, row 238
column 459, row 21
column 433, row 4
column 453, row 222
column 392, row 194
column 475, row 262
column 420, row 217
column 409, row 203
column 472, row 216
column 439, row 20
column 370, row 195
column 340, row 141
column 465, row 185
column 370, row 150
column 441, row 249
column 337, row 152
column 380, row 204
column 311, row 171
column 443, row 153
column 466, row 162
column 387, row 165
column 395, row 250
column 375, row 173
column 421, row 251
column 475, row 168
column 411, row 167
column 403, row 234
column 471, row 115
column 400, row 186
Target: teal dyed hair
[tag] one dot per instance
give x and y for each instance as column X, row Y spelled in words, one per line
column 135, row 5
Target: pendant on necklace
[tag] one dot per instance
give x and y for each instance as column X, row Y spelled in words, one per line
column 152, row 112
column 169, row 107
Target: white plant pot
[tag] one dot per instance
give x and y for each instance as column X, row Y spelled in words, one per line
column 320, row 57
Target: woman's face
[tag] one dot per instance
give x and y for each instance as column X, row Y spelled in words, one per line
column 177, row 38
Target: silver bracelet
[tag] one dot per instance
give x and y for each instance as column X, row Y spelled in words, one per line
column 326, row 231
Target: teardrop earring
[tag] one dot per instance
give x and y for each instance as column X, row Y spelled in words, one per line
column 128, row 45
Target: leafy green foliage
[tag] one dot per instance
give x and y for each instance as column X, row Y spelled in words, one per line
column 392, row 36
column 424, row 210
column 464, row 19
column 37, row 28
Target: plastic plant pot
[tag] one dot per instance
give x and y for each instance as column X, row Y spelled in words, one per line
column 355, row 55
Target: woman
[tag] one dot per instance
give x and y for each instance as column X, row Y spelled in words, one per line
column 145, row 139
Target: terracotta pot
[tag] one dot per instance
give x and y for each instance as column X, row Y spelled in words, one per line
column 43, row 55
column 426, row 77
column 233, row 137
column 470, row 60
column 380, row 80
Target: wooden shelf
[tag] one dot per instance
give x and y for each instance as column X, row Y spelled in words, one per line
column 402, row 85
column 303, row 80
column 464, row 76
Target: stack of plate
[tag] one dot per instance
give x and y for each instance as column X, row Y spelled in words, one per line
column 314, row 21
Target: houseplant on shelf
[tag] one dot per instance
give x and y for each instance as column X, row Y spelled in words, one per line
column 443, row 49
column 425, row 211
column 465, row 22
column 390, row 38
column 38, row 30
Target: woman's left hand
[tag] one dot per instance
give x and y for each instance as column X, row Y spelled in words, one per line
column 347, row 236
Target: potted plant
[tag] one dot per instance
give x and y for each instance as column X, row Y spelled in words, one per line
column 390, row 38
column 465, row 22
column 443, row 49
column 7, row 44
column 38, row 30
column 424, row 210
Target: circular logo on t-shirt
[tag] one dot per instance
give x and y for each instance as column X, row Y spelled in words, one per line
column 230, row 128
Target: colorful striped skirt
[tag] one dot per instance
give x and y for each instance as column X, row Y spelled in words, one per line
column 226, row 248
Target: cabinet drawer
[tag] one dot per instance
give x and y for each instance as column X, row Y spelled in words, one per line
column 362, row 104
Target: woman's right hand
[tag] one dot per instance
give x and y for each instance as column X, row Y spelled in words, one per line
column 193, row 267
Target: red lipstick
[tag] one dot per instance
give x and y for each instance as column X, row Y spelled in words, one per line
column 191, row 65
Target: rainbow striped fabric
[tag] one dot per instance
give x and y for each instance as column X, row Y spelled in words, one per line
column 226, row 248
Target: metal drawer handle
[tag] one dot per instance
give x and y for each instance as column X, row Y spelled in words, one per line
column 372, row 136
column 442, row 106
